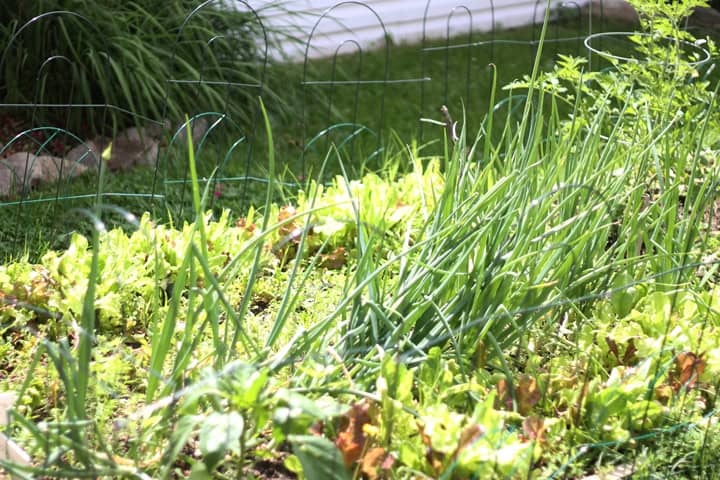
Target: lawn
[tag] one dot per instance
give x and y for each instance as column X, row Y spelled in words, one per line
column 537, row 298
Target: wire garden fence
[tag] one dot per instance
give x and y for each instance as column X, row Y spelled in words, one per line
column 50, row 166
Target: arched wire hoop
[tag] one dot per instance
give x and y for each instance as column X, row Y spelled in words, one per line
column 229, row 86
column 469, row 44
column 706, row 55
column 572, row 5
column 357, row 83
column 333, row 82
column 214, row 121
column 591, row 16
column 466, row 10
column 37, row 19
column 556, row 10
column 222, row 82
column 356, row 96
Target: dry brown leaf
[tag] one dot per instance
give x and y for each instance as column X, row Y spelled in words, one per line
column 612, row 346
column 534, row 428
column 433, row 457
column 468, row 436
column 688, row 368
column 629, row 358
column 663, row 393
column 242, row 223
column 335, row 260
column 528, row 394
column 374, row 458
column 351, row 439
column 504, row 395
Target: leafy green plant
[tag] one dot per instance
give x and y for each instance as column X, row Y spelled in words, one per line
column 655, row 76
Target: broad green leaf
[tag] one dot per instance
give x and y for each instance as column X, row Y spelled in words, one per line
column 220, row 432
column 200, row 471
column 320, row 459
column 250, row 385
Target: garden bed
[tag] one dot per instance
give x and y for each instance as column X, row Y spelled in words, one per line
column 539, row 302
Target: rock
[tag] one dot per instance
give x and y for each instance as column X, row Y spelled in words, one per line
column 135, row 146
column 199, row 126
column 158, row 131
column 87, row 154
column 18, row 173
column 55, row 168
column 23, row 171
column 131, row 147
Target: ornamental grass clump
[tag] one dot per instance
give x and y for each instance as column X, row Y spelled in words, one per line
column 133, row 56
